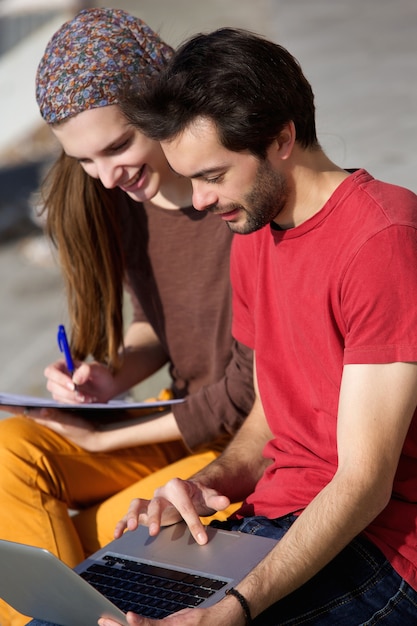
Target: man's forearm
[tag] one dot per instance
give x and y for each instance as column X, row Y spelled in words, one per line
column 337, row 515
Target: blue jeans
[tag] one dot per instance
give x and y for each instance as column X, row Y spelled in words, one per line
column 358, row 588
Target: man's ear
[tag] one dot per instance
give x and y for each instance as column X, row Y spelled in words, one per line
column 285, row 141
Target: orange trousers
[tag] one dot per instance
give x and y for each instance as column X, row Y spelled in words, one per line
column 43, row 476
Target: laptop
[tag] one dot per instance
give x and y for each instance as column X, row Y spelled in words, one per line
column 152, row 576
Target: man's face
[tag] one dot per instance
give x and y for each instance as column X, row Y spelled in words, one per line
column 246, row 192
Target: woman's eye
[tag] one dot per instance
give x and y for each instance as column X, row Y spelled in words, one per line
column 120, row 146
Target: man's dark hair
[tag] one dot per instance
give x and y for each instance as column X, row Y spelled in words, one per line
column 248, row 86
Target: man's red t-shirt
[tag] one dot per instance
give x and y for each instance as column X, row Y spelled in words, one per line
column 340, row 288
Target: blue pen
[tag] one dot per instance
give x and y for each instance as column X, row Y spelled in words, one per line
column 64, row 347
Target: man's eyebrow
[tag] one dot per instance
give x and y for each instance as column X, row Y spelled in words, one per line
column 208, row 171
column 201, row 173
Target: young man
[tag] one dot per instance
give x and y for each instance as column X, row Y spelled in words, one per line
column 325, row 285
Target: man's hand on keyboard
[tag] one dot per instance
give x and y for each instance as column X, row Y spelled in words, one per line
column 178, row 499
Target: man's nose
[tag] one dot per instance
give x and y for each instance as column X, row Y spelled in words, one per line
column 203, row 197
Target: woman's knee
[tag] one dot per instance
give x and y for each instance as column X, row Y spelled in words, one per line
column 20, row 432
column 25, row 442
column 28, row 454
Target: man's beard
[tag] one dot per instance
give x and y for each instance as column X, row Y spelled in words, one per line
column 262, row 204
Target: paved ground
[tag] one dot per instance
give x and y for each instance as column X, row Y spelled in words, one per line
column 361, row 57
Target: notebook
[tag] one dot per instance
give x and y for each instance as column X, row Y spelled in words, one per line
column 36, row 402
column 114, row 413
column 160, row 572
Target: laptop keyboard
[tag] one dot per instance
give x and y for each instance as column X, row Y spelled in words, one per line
column 149, row 590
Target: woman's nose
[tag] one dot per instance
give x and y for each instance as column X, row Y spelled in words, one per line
column 109, row 174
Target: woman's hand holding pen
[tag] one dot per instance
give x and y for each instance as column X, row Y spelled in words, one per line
column 90, row 382
column 81, row 383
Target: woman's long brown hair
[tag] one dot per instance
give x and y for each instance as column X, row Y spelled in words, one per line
column 81, row 221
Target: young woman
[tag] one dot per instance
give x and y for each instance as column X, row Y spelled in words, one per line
column 120, row 218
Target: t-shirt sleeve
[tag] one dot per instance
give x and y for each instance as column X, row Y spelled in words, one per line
column 378, row 299
column 218, row 410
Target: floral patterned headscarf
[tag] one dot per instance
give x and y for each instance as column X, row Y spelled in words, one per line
column 91, row 58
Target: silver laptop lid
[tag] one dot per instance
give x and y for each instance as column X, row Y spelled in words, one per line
column 37, row 584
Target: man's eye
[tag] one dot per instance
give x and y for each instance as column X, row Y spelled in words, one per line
column 215, row 179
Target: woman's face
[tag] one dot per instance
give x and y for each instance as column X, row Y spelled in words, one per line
column 110, row 149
